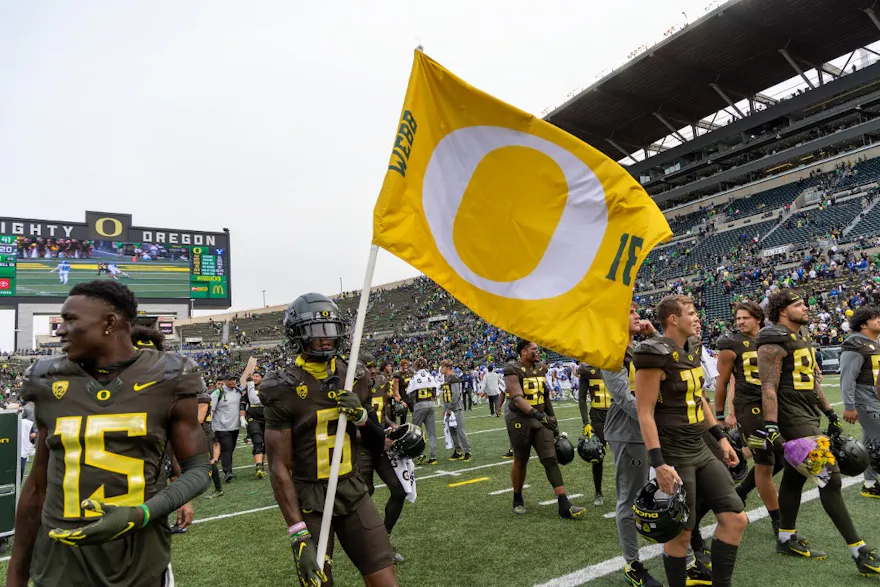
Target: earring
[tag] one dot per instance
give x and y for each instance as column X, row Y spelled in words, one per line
column 106, row 332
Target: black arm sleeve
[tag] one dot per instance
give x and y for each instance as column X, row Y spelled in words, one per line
column 373, row 434
column 193, row 481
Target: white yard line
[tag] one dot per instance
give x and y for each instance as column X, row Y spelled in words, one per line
column 615, row 565
column 508, row 490
column 552, row 501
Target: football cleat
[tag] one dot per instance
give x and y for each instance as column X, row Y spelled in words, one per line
column 519, row 509
column 637, row 575
column 397, row 557
column 600, row 500
column 868, row 563
column 799, row 546
column 508, row 454
column 455, row 457
column 229, row 477
column 573, row 513
column 698, row 574
column 421, row 460
column 213, row 495
column 259, row 473
column 431, row 462
column 467, row 456
column 774, row 524
column 873, row 491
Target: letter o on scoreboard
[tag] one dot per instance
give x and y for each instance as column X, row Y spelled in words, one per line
column 104, row 225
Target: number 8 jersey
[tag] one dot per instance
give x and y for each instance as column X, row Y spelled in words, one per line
column 295, row 399
column 679, row 410
column 796, row 393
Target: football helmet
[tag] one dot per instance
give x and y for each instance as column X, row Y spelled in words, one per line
column 852, row 456
column 399, row 408
column 741, row 469
column 564, row 449
column 734, row 437
column 407, row 441
column 312, row 317
column 660, row 519
column 591, row 449
column 873, row 448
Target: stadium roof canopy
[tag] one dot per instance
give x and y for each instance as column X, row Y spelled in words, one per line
column 733, row 53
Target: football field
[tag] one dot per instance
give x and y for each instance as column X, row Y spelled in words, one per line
column 154, row 279
column 461, row 530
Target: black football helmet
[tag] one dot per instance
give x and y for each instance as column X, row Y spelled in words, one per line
column 591, row 449
column 873, row 448
column 564, row 449
column 407, row 441
column 741, row 470
column 399, row 408
column 734, row 437
column 660, row 519
column 311, row 317
column 852, row 456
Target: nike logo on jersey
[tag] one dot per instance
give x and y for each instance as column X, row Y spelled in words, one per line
column 142, row 386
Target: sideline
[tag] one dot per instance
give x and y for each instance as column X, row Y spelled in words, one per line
column 615, row 565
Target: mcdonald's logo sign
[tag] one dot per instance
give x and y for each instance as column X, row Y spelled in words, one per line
column 104, row 226
column 218, row 290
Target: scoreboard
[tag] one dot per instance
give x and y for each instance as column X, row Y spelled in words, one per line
column 8, row 254
column 208, row 273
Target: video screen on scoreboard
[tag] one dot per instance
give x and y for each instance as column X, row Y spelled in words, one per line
column 50, row 267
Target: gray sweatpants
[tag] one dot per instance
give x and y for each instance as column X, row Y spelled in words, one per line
column 631, row 466
column 869, row 418
column 460, row 437
column 425, row 415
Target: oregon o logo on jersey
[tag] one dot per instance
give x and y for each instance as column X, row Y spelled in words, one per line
column 756, row 410
column 103, row 394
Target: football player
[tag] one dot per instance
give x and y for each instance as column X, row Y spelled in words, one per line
column 251, row 413
column 593, row 388
column 453, row 405
column 631, row 459
column 420, row 393
column 673, row 419
column 792, row 400
column 380, row 399
column 399, row 383
column 738, row 358
column 91, row 512
column 302, row 403
column 531, row 423
column 63, row 269
column 859, row 362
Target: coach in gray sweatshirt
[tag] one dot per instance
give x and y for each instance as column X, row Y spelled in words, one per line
column 632, row 467
column 226, row 420
column 859, row 361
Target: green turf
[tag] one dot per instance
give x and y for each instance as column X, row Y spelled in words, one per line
column 153, row 279
column 464, row 536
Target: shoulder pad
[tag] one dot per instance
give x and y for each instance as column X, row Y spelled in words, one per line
column 855, row 343
column 396, row 375
column 51, row 366
column 725, row 343
column 774, row 335
column 653, row 346
column 512, row 368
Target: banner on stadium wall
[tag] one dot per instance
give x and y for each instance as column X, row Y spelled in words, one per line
column 166, row 325
column 776, row 251
column 192, row 339
column 442, row 318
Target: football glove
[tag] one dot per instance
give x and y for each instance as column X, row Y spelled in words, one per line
column 305, row 556
column 765, row 439
column 243, row 421
column 588, row 430
column 834, row 426
column 350, row 405
column 546, row 421
column 114, row 522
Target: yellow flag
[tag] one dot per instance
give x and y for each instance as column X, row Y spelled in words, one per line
column 534, row 230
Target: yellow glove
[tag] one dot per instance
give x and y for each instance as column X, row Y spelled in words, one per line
column 588, row 430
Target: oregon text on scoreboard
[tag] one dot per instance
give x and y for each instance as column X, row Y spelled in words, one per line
column 42, row 259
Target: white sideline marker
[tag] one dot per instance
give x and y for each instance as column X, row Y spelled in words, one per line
column 508, row 490
column 552, row 501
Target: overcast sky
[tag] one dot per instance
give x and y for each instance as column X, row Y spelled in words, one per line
column 274, row 119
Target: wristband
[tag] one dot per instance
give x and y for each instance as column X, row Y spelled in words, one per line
column 655, row 455
column 362, row 419
column 296, row 528
column 146, row 511
column 769, row 424
column 716, row 432
column 719, row 416
column 300, row 536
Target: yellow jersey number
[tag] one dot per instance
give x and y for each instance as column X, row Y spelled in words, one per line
column 804, row 369
column 694, row 379
column 426, row 393
column 378, row 404
column 875, row 366
column 69, row 428
column 533, row 390
column 601, row 398
column 324, row 443
column 750, row 367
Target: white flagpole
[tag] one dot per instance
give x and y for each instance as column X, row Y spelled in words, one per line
column 349, row 383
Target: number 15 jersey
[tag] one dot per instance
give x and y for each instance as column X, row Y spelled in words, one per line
column 679, row 410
